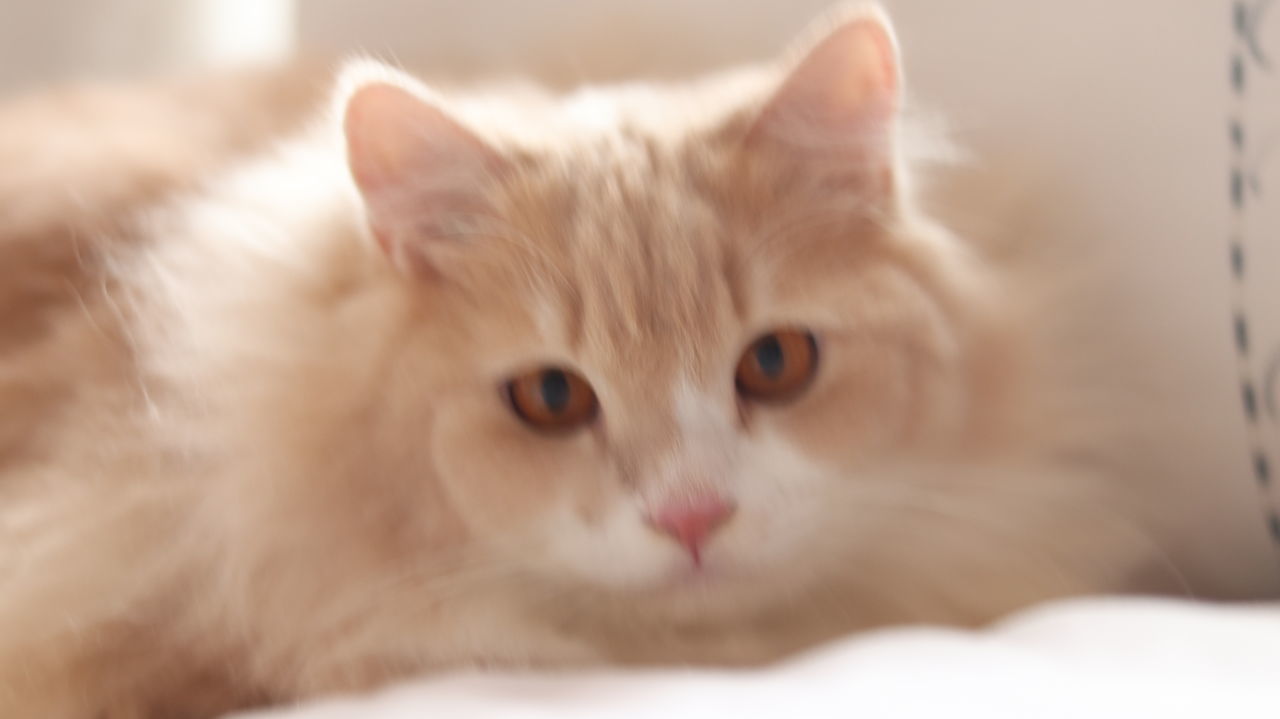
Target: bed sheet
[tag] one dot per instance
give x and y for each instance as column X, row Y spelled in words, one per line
column 1082, row 658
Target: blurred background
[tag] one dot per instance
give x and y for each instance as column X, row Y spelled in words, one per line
column 1135, row 136
column 557, row 40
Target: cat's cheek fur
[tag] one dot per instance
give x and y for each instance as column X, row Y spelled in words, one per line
column 550, row 504
column 859, row 406
column 780, row 491
column 613, row 552
column 513, row 485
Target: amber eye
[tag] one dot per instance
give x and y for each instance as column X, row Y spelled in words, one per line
column 778, row 366
column 552, row 399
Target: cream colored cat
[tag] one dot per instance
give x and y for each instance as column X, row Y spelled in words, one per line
column 643, row 374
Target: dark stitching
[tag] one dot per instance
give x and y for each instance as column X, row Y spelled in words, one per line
column 1250, row 398
column 1247, row 22
column 1242, row 180
column 1242, row 334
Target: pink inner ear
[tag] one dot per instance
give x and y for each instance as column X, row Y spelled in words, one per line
column 415, row 166
column 844, row 90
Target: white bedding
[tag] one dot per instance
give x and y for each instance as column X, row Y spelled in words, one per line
column 1096, row 658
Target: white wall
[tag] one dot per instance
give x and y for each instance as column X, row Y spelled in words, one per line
column 560, row 40
column 44, row 41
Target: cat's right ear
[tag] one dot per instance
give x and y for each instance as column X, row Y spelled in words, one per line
column 836, row 109
column 420, row 172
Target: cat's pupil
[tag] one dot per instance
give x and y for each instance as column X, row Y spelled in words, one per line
column 555, row 390
column 769, row 357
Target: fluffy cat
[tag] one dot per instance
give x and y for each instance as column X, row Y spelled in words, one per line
column 642, row 374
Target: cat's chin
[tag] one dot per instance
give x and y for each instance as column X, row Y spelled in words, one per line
column 710, row 588
column 699, row 579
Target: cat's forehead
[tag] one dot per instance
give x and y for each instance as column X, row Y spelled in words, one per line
column 662, row 252
column 638, row 259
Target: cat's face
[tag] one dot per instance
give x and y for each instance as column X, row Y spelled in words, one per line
column 688, row 343
column 674, row 368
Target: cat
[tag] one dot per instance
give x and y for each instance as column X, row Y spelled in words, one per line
column 641, row 374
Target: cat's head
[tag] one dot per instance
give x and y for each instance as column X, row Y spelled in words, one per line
column 679, row 352
column 678, row 349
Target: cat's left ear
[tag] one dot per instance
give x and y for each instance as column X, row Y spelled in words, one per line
column 421, row 173
column 837, row 107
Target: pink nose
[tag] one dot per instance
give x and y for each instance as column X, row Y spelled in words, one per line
column 691, row 521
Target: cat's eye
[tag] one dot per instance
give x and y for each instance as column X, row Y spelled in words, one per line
column 552, row 399
column 777, row 366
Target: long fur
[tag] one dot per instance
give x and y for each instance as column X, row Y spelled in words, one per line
column 253, row 460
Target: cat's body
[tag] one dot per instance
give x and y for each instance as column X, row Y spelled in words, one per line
column 263, row 448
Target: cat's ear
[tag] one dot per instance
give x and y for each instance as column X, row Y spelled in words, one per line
column 421, row 173
column 838, row 104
